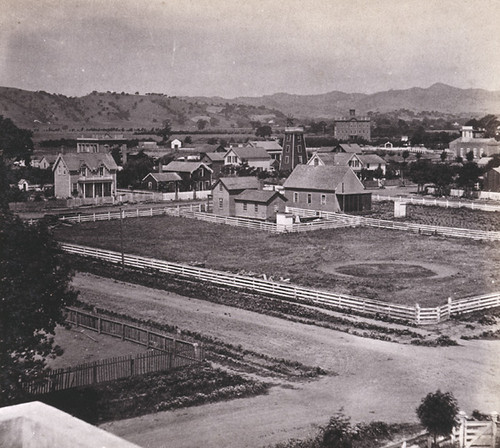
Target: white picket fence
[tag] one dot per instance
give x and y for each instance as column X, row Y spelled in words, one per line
column 474, row 205
column 395, row 225
column 293, row 292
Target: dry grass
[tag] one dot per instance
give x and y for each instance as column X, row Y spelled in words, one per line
column 301, row 257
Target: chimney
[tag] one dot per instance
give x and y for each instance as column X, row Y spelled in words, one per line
column 160, row 166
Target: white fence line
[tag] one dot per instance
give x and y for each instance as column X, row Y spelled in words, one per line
column 395, row 225
column 474, row 205
column 293, row 292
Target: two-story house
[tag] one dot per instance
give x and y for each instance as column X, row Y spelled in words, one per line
column 254, row 157
column 196, row 176
column 85, row 175
column 226, row 189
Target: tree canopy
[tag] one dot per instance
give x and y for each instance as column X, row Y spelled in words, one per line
column 438, row 413
column 34, row 289
column 14, row 142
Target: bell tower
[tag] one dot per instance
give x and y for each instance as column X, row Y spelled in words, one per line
column 294, row 149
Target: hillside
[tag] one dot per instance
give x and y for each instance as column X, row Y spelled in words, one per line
column 98, row 110
column 122, row 111
column 439, row 97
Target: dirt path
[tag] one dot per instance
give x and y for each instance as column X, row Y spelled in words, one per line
column 376, row 380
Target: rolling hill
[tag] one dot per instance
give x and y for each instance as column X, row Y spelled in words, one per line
column 122, row 111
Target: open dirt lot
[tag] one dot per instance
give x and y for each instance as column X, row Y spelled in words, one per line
column 375, row 380
column 302, row 257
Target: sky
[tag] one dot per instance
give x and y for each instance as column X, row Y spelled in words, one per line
column 233, row 48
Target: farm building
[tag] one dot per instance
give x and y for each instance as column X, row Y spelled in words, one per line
column 226, row 189
column 272, row 147
column 195, row 176
column 357, row 162
column 259, row 204
column 166, row 182
column 327, row 188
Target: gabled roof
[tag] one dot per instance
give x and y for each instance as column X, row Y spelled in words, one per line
column 328, row 158
column 92, row 160
column 352, row 148
column 163, row 177
column 259, row 196
column 185, row 167
column 268, row 145
column 343, row 158
column 250, row 153
column 309, row 177
column 239, row 183
column 371, row 158
column 215, row 156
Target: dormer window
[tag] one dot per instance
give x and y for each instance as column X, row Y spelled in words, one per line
column 83, row 171
column 101, row 171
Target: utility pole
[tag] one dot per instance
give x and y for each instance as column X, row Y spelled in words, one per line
column 121, row 238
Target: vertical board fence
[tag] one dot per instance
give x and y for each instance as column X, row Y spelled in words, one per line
column 296, row 293
column 168, row 353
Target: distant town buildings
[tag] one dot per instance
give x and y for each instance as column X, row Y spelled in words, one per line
column 100, row 143
column 472, row 140
column 352, row 127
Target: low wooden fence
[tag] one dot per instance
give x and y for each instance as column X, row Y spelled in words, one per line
column 169, row 353
column 395, row 225
column 293, row 292
column 133, row 333
column 474, row 205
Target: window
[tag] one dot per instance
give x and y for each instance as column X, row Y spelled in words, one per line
column 256, row 207
column 309, row 198
column 107, row 189
column 296, row 197
column 98, row 190
column 221, row 202
column 299, row 148
column 316, row 162
column 202, row 172
column 300, row 159
column 220, row 186
column 101, row 171
column 287, row 148
column 323, row 199
column 287, row 160
column 244, row 205
column 83, row 171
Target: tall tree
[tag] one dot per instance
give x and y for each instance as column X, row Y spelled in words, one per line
column 34, row 289
column 14, row 142
column 438, row 414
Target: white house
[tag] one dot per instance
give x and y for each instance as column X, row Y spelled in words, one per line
column 254, row 157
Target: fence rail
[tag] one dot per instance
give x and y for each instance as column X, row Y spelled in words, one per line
column 395, row 225
column 474, row 205
column 293, row 292
column 169, row 353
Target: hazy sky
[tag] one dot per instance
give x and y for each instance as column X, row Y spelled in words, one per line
column 248, row 47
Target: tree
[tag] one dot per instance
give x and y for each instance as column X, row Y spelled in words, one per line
column 14, row 142
column 166, row 131
column 438, row 414
column 201, row 124
column 135, row 170
column 443, row 156
column 468, row 177
column 34, row 289
column 264, row 131
column 337, row 433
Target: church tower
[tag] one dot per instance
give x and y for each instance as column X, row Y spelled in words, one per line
column 294, row 149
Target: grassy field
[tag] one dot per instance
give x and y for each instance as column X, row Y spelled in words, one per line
column 307, row 259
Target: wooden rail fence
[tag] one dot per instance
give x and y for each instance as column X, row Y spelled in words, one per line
column 395, row 225
column 169, row 353
column 474, row 205
column 293, row 292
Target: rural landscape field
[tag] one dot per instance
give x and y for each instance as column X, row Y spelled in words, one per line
column 387, row 265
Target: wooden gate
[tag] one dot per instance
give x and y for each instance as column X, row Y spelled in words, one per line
column 476, row 434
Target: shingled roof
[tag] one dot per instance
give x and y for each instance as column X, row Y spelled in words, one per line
column 184, row 167
column 310, row 177
column 239, row 183
column 92, row 160
column 251, row 153
column 258, row 196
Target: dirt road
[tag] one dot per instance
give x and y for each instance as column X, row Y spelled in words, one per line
column 376, row 380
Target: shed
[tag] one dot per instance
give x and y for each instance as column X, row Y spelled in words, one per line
column 259, row 204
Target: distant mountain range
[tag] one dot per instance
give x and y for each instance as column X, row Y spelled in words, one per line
column 99, row 110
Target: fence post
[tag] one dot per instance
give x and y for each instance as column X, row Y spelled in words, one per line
column 98, row 325
column 79, row 218
column 438, row 314
column 76, row 318
column 449, row 307
column 151, row 211
column 131, row 366
column 123, row 332
column 94, row 373
column 147, row 339
column 463, row 429
column 109, row 215
column 417, row 313
column 197, row 351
